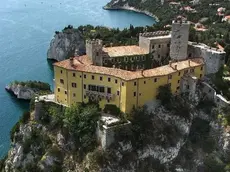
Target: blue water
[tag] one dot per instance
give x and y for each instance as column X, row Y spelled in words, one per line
column 26, row 28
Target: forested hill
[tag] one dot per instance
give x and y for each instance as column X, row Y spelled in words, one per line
column 165, row 12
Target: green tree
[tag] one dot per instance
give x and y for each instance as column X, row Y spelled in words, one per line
column 164, row 94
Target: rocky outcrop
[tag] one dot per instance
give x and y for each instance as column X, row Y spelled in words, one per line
column 21, row 92
column 64, row 44
column 27, row 90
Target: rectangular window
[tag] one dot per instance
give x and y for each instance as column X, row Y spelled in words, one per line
column 74, row 95
column 144, row 82
column 179, row 74
column 134, row 94
column 201, row 68
column 168, row 45
column 118, row 93
column 159, row 46
column 62, row 81
column 122, row 84
column 201, row 75
column 61, row 71
column 109, row 90
column 101, row 89
column 74, row 85
column 58, row 89
column 109, row 79
column 84, row 86
column 178, row 88
column 115, row 81
column 97, row 54
column 178, row 81
column 153, row 46
column 186, row 71
column 84, row 96
column 101, row 78
column 155, row 80
column 65, row 92
column 84, row 76
column 170, row 77
column 74, row 74
column 92, row 77
column 159, row 56
column 135, row 83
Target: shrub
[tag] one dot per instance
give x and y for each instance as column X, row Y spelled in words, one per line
column 164, row 94
column 112, row 109
column 14, row 130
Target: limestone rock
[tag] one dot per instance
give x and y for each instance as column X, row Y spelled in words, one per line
column 21, row 92
column 64, row 44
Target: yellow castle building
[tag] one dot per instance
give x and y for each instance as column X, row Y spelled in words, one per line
column 78, row 80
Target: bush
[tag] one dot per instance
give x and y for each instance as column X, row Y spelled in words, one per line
column 14, row 130
column 165, row 95
column 112, row 109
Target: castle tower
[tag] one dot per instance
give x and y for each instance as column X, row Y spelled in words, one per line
column 179, row 39
column 94, row 51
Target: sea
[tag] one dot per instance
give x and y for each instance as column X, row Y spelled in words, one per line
column 26, row 29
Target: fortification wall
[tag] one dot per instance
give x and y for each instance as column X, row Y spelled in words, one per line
column 213, row 58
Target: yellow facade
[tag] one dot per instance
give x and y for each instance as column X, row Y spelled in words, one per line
column 72, row 86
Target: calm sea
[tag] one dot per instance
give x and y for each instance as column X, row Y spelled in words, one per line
column 26, row 28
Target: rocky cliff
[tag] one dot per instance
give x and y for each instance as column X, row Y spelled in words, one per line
column 164, row 141
column 27, row 90
column 65, row 43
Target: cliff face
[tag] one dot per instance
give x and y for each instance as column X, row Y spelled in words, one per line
column 176, row 144
column 21, row 92
column 64, row 44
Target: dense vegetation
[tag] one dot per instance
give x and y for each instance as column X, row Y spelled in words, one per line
column 33, row 84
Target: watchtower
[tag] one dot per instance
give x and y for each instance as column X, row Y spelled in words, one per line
column 179, row 39
column 94, row 51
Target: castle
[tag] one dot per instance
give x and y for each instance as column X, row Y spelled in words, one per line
column 129, row 76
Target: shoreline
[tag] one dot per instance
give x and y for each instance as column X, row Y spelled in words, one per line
column 127, row 8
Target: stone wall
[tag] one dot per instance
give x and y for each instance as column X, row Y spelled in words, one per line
column 213, row 58
column 211, row 94
column 94, row 51
column 188, row 85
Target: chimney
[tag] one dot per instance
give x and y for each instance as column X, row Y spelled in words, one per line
column 111, row 44
column 170, row 63
column 71, row 61
column 175, row 67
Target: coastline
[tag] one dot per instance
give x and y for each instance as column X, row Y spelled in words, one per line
column 128, row 8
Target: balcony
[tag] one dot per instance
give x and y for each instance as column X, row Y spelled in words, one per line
column 99, row 95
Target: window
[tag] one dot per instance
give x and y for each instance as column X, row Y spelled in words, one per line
column 61, row 81
column 192, row 70
column 159, row 56
column 179, row 74
column 178, row 81
column 74, row 74
column 101, row 89
column 97, row 54
column 187, row 87
column 153, row 46
column 65, row 92
column 134, row 94
column 138, row 58
column 159, row 46
column 84, row 86
column 209, row 90
column 144, row 82
column 201, row 68
column 58, row 89
column 84, row 96
column 101, row 78
column 155, row 80
column 201, row 75
column 61, row 71
column 178, row 88
column 109, row 90
column 115, row 81
column 170, row 77
column 74, row 85
column 80, row 76
column 118, row 93
column 186, row 71
column 74, row 95
column 84, row 76
column 135, row 83
column 92, row 77
column 109, row 79
column 122, row 84
column 108, row 100
column 168, row 45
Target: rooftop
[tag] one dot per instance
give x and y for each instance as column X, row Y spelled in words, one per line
column 78, row 65
column 124, row 51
